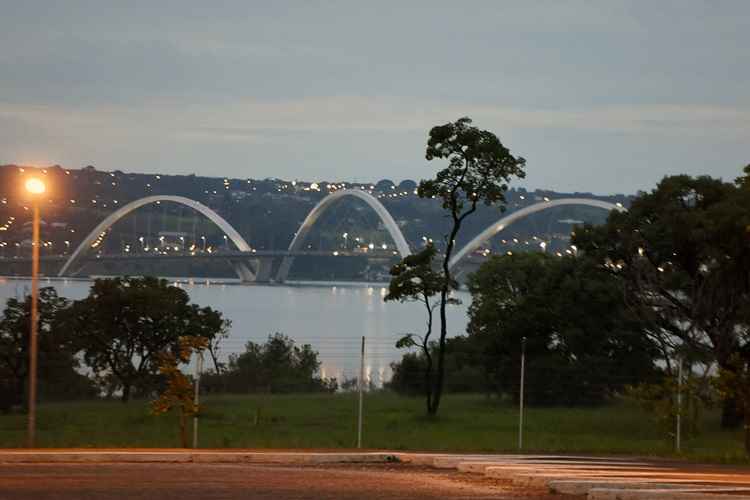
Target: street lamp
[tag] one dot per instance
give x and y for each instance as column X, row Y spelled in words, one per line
column 35, row 187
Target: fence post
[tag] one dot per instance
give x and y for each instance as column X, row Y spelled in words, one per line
column 678, row 430
column 361, row 389
column 198, row 370
column 520, row 393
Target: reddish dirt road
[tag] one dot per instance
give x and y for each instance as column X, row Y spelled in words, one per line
column 213, row 482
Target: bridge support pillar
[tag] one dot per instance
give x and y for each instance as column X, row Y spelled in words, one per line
column 263, row 270
column 286, row 265
column 244, row 272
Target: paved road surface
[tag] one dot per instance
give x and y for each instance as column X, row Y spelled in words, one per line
column 214, row 482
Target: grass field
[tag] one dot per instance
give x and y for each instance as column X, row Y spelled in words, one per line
column 465, row 423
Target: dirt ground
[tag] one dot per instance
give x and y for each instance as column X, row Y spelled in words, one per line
column 218, row 481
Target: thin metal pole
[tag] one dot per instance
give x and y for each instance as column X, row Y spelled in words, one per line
column 361, row 395
column 135, row 228
column 198, row 370
column 678, row 431
column 195, row 234
column 31, row 429
column 520, row 394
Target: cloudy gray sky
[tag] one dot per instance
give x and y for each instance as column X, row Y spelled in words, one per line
column 605, row 96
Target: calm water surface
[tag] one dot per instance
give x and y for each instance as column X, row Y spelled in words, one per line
column 332, row 317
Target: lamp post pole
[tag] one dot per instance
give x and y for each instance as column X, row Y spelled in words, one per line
column 31, row 430
column 521, row 394
column 35, row 187
column 361, row 389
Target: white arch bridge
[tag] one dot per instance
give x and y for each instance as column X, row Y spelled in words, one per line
column 255, row 266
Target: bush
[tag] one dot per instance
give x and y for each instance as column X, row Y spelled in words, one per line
column 276, row 366
column 463, row 374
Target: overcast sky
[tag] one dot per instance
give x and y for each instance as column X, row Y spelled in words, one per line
column 597, row 96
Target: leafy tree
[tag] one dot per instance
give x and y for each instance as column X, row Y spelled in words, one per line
column 479, row 169
column 125, row 323
column 179, row 392
column 210, row 325
column 581, row 342
column 682, row 253
column 276, row 366
column 407, row 185
column 58, row 375
column 384, row 185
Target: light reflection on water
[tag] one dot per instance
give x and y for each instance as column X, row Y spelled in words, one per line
column 332, row 317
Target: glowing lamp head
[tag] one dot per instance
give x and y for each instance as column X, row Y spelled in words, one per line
column 35, row 186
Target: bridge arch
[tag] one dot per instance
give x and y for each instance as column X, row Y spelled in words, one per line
column 299, row 239
column 509, row 219
column 242, row 271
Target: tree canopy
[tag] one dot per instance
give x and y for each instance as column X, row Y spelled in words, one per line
column 682, row 252
column 125, row 323
column 582, row 343
column 58, row 374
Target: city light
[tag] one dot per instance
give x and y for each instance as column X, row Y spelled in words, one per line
column 35, row 186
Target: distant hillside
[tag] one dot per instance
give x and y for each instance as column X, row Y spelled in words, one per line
column 267, row 212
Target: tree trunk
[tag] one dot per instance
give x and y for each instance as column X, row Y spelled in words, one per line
column 428, row 383
column 428, row 358
column 443, row 318
column 125, row 393
column 438, row 388
column 731, row 416
column 444, row 293
column 731, row 411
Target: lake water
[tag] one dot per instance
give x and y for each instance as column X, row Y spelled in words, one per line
column 332, row 317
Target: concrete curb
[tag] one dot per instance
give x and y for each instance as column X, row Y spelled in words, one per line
column 583, row 486
column 669, row 494
column 38, row 457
